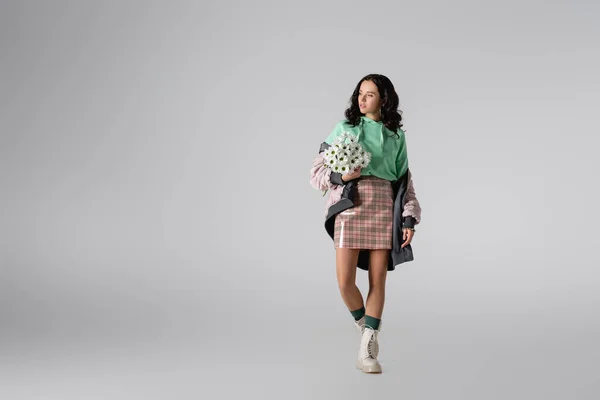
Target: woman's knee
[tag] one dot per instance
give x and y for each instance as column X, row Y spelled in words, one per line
column 346, row 286
column 377, row 286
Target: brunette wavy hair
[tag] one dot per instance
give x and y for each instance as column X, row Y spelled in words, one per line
column 391, row 116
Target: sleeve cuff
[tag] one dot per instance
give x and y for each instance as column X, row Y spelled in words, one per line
column 409, row 222
column 336, row 178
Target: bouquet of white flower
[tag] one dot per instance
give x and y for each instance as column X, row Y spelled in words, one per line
column 345, row 154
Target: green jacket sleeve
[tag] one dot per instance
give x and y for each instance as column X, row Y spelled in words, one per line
column 402, row 156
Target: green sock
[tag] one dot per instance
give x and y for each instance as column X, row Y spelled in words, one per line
column 358, row 314
column 372, row 322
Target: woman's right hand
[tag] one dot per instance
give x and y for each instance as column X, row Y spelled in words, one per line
column 352, row 175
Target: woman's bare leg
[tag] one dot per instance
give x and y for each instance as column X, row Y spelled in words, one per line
column 378, row 261
column 345, row 263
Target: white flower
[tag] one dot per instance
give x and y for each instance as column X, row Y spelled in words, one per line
column 344, row 135
column 366, row 159
column 345, row 154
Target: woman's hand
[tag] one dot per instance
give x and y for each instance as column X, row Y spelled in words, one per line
column 352, row 175
column 407, row 235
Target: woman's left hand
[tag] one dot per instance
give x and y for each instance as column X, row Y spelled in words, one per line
column 407, row 235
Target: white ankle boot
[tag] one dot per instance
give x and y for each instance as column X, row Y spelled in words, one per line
column 360, row 327
column 368, row 352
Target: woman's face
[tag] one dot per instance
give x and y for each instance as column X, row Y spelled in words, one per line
column 369, row 100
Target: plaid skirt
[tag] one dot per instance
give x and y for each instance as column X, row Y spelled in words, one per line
column 367, row 225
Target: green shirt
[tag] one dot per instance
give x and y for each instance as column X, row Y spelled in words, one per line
column 388, row 149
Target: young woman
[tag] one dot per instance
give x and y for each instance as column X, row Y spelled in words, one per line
column 371, row 212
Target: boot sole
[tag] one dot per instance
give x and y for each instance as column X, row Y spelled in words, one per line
column 373, row 370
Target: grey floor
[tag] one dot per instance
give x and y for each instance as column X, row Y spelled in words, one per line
column 278, row 345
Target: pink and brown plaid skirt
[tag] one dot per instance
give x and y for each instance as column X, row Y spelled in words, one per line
column 367, row 225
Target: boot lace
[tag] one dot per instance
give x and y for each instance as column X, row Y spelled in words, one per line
column 370, row 350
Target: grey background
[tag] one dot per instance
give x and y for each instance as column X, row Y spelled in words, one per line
column 160, row 239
